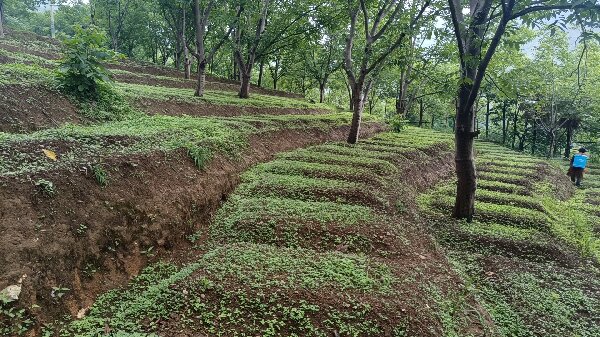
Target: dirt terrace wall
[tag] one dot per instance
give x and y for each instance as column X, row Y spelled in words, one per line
column 90, row 239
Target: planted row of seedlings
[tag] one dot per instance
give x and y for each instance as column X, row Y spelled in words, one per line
column 531, row 254
column 310, row 244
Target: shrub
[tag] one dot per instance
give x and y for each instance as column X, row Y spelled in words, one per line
column 81, row 68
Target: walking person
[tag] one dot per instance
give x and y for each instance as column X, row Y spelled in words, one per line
column 578, row 164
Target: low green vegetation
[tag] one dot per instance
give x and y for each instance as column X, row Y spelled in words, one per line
column 279, row 253
column 136, row 91
column 517, row 257
column 202, row 137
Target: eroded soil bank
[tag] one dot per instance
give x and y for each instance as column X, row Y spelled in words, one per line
column 88, row 239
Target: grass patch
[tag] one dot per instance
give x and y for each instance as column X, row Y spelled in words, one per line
column 215, row 97
column 380, row 166
column 224, row 286
column 284, row 221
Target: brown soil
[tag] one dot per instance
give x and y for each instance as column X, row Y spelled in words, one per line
column 178, row 108
column 91, row 239
column 26, row 109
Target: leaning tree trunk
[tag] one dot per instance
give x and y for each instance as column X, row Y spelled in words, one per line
column 201, row 78
column 357, row 109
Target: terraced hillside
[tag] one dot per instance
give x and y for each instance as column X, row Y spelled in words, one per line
column 531, row 256
column 92, row 192
column 31, row 101
column 318, row 242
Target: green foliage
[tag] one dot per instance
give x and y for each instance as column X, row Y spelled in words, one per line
column 108, row 105
column 46, row 187
column 216, row 97
column 17, row 73
column 200, row 155
column 81, row 68
column 100, row 175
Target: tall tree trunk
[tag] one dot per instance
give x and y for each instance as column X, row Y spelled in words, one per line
column 201, row 78
column 1, row 18
column 187, row 61
column 515, row 120
column 321, row 92
column 357, row 109
column 552, row 136
column 534, row 140
column 487, row 119
column 432, row 121
column 92, row 12
column 275, row 83
column 504, row 122
column 234, row 75
column 464, row 206
column 569, row 139
column 421, row 112
column 244, row 85
column 402, row 104
column 261, row 71
column 524, row 136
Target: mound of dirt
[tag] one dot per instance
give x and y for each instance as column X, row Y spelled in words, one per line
column 26, row 109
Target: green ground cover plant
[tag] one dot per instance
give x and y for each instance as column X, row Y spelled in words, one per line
column 381, row 167
column 137, row 135
column 338, row 172
column 526, row 292
column 272, row 263
column 499, row 186
column 229, row 272
column 214, row 97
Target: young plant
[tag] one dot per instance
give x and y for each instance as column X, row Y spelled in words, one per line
column 46, row 187
column 100, row 175
column 81, row 67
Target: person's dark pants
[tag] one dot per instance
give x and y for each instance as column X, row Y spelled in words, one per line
column 577, row 176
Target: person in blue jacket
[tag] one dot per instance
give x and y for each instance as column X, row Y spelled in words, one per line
column 578, row 164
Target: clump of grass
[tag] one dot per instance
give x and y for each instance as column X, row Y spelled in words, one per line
column 100, row 175
column 200, row 156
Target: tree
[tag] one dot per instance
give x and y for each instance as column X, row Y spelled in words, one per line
column 471, row 30
column 321, row 56
column 379, row 19
column 253, row 40
column 202, row 13
column 82, row 66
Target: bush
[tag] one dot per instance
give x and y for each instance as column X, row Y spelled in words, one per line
column 81, row 69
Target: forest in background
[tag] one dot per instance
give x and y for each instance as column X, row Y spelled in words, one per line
column 447, row 64
column 538, row 94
